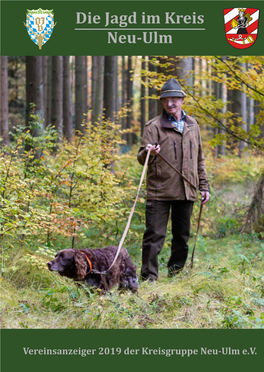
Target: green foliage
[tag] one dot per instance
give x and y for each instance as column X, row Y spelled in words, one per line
column 234, row 170
column 66, row 196
column 202, row 103
column 232, row 182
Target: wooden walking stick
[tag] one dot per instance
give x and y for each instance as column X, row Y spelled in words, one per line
column 198, row 227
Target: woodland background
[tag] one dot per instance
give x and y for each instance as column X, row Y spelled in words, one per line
column 70, row 128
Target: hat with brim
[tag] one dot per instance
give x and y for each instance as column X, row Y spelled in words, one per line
column 172, row 89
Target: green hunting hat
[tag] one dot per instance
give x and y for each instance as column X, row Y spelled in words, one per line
column 172, row 89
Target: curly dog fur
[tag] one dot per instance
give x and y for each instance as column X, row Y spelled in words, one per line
column 75, row 264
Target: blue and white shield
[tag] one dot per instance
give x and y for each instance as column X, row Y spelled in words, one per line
column 40, row 24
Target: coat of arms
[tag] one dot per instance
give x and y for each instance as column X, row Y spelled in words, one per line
column 40, row 24
column 241, row 26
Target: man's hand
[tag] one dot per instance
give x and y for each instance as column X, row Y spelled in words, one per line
column 154, row 149
column 205, row 196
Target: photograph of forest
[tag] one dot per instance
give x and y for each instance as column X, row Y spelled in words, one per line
column 70, row 131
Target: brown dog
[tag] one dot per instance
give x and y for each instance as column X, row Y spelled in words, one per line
column 80, row 265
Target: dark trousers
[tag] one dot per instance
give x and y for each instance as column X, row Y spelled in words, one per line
column 157, row 216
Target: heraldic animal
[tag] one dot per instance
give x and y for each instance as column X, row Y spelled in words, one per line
column 83, row 265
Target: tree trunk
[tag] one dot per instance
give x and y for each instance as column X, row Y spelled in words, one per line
column 4, row 102
column 230, row 140
column 94, row 78
column 239, row 111
column 47, row 84
column 143, row 97
column 109, row 98
column 57, row 94
column 203, row 67
column 184, row 67
column 166, row 71
column 97, row 88
column 255, row 215
column 34, row 94
column 236, row 110
column 237, row 107
column 216, row 129
column 153, row 102
column 45, row 80
column 109, row 88
column 258, row 110
column 129, row 99
column 250, row 116
column 166, row 66
column 123, row 93
column 196, row 75
column 67, row 104
column 243, row 113
column 85, row 88
column 117, row 101
column 221, row 147
column 220, row 92
column 79, row 93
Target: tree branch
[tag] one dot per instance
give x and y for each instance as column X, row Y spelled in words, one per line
column 219, row 121
column 239, row 78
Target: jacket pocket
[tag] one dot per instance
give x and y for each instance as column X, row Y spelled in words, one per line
column 191, row 149
column 175, row 149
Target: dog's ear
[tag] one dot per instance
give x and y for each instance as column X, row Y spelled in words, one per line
column 80, row 265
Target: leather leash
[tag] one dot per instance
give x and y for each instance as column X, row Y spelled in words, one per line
column 198, row 227
column 176, row 170
column 133, row 209
column 129, row 218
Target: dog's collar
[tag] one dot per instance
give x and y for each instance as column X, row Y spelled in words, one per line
column 89, row 262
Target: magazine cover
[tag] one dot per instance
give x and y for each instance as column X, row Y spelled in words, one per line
column 131, row 184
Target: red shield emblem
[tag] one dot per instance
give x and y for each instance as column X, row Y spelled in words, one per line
column 241, row 26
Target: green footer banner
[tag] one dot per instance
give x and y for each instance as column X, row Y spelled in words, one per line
column 154, row 350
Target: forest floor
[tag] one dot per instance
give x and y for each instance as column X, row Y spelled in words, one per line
column 225, row 289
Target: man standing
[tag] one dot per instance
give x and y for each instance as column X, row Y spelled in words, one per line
column 177, row 137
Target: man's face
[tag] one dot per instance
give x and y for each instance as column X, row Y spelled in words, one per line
column 172, row 105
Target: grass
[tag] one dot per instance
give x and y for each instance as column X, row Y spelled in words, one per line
column 224, row 290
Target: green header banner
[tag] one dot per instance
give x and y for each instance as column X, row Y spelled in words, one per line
column 132, row 28
column 155, row 350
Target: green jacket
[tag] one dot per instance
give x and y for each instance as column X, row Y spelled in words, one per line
column 183, row 151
